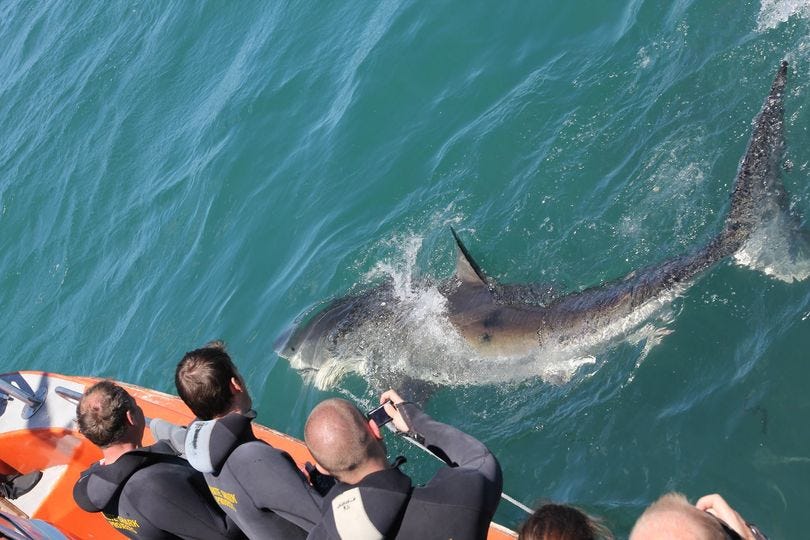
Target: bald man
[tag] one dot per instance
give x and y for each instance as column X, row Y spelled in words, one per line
column 711, row 518
column 374, row 499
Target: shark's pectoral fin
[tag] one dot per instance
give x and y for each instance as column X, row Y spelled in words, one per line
column 467, row 270
column 416, row 390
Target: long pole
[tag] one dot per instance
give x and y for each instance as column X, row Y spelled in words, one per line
column 416, row 443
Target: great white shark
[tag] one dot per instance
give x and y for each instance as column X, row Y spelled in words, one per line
column 505, row 331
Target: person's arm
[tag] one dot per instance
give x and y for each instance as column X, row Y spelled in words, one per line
column 173, row 434
column 452, row 445
column 275, row 483
column 719, row 508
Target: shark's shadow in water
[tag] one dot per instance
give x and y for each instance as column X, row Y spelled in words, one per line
column 480, row 331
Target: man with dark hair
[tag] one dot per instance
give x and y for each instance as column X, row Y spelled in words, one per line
column 374, row 499
column 208, row 382
column 146, row 493
column 562, row 522
column 258, row 486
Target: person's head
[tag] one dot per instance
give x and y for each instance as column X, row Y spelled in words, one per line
column 343, row 442
column 562, row 522
column 672, row 516
column 107, row 415
column 209, row 383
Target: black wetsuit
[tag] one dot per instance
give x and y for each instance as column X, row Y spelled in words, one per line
column 152, row 494
column 458, row 502
column 258, row 486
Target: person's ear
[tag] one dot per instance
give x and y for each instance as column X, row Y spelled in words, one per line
column 239, row 394
column 136, row 418
column 375, row 430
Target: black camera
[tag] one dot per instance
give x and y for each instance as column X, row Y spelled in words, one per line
column 379, row 415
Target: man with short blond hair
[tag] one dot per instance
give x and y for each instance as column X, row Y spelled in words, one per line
column 673, row 517
column 143, row 492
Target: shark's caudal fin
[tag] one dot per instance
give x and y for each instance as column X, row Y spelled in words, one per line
column 467, row 270
column 758, row 190
column 760, row 230
column 779, row 247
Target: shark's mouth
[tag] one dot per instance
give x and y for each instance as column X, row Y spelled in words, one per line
column 332, row 372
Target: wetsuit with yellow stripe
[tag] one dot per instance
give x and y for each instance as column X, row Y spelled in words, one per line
column 258, row 486
column 152, row 494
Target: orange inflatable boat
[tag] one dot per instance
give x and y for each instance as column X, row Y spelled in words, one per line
column 38, row 432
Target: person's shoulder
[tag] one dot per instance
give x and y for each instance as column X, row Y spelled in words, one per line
column 259, row 453
column 161, row 473
column 251, row 462
column 258, row 449
column 453, row 484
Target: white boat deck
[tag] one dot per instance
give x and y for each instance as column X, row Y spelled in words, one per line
column 55, row 412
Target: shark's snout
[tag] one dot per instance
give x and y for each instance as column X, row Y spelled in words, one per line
column 280, row 345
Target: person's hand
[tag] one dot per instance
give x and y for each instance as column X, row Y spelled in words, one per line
column 719, row 508
column 391, row 400
column 321, row 482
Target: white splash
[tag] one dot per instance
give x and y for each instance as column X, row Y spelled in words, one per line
column 333, row 370
column 772, row 13
column 777, row 249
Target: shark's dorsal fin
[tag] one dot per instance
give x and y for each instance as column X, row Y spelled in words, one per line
column 467, row 270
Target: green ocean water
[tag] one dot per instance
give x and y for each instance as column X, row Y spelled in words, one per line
column 173, row 172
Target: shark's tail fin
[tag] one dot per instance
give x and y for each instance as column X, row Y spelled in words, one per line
column 778, row 247
column 760, row 230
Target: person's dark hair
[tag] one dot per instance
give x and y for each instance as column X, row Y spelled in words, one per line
column 562, row 522
column 102, row 413
column 203, row 379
